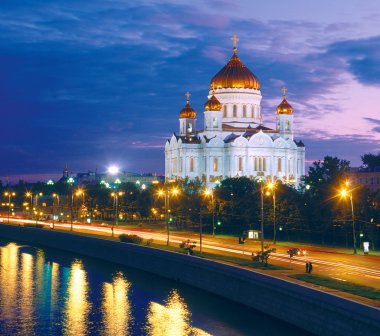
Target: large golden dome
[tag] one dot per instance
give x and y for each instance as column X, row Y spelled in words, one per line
column 235, row 75
column 284, row 107
column 213, row 104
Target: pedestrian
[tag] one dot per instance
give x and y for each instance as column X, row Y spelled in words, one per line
column 307, row 267
column 310, row 267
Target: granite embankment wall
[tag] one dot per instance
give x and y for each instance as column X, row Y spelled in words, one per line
column 310, row 309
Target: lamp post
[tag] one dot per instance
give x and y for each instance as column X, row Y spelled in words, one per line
column 55, row 196
column 9, row 194
column 78, row 193
column 166, row 193
column 70, row 182
column 344, row 193
column 272, row 186
column 116, row 196
column 30, row 194
column 210, row 192
column 36, row 203
column 262, row 218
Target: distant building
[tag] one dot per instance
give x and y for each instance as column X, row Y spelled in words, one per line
column 94, row 178
column 365, row 178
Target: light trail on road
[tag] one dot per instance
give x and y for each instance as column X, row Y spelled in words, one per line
column 320, row 263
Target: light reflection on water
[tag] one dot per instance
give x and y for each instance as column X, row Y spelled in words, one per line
column 44, row 292
column 116, row 309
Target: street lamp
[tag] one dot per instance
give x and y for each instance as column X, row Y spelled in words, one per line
column 116, row 196
column 55, row 196
column 30, row 194
column 70, row 182
column 78, row 193
column 9, row 194
column 262, row 218
column 166, row 193
column 210, row 193
column 271, row 186
column 348, row 193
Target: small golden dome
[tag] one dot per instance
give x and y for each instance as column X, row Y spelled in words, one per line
column 188, row 112
column 213, row 104
column 235, row 75
column 284, row 107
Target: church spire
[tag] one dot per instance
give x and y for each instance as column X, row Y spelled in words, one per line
column 235, row 40
column 66, row 171
column 284, row 89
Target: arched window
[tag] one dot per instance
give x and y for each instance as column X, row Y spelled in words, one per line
column 234, row 111
column 215, row 164
column 240, row 163
column 244, row 111
column 287, row 125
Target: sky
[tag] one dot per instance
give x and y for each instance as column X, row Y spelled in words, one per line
column 101, row 82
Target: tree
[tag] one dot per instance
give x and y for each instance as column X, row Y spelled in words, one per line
column 371, row 161
column 322, row 208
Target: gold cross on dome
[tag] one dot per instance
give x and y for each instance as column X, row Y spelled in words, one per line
column 284, row 89
column 187, row 94
column 234, row 40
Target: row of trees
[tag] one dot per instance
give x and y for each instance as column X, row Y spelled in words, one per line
column 315, row 212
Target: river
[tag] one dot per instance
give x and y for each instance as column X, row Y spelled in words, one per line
column 51, row 292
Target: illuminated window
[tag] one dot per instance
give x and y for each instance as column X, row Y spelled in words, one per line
column 240, row 163
column 225, row 111
column 264, row 164
column 191, row 164
column 215, row 164
column 279, row 165
column 256, row 164
column 244, row 111
column 235, row 111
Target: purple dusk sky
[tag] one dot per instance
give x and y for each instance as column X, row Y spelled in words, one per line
column 90, row 83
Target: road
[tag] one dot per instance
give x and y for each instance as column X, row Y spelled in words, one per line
column 364, row 270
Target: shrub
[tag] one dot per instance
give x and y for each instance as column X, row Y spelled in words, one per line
column 132, row 239
column 149, row 242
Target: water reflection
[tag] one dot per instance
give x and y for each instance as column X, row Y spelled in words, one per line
column 77, row 305
column 171, row 319
column 26, row 301
column 9, row 270
column 39, row 296
column 116, row 308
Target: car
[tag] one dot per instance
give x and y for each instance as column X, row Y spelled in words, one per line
column 296, row 251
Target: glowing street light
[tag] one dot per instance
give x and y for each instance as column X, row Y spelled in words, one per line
column 166, row 193
column 9, row 194
column 113, row 170
column 272, row 186
column 210, row 193
column 116, row 195
column 344, row 192
column 55, row 196
column 30, row 194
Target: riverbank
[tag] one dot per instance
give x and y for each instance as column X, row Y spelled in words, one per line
column 308, row 308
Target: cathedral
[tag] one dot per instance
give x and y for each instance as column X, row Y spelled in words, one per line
column 234, row 141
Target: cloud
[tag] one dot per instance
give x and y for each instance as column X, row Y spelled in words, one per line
column 87, row 82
